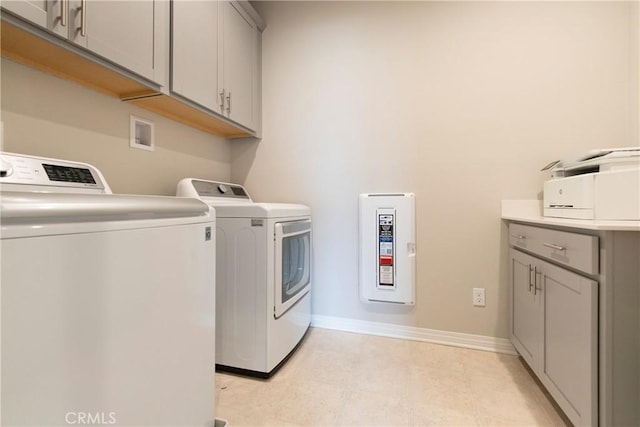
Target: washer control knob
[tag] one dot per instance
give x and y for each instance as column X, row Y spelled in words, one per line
column 5, row 168
column 223, row 188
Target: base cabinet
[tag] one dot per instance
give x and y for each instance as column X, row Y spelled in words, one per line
column 526, row 310
column 570, row 342
column 554, row 327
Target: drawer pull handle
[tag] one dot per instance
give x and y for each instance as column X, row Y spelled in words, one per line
column 556, row 247
column 519, row 236
column 535, row 279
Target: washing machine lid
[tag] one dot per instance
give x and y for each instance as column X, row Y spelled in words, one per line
column 41, row 196
column 31, row 214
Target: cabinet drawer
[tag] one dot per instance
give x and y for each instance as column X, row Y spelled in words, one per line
column 578, row 251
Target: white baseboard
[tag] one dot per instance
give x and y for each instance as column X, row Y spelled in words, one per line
column 477, row 342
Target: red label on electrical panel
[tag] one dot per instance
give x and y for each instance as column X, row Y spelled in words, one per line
column 386, row 260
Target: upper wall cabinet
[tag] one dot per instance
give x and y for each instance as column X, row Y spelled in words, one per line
column 240, row 65
column 215, row 60
column 122, row 31
column 193, row 61
column 194, row 52
column 127, row 33
column 38, row 12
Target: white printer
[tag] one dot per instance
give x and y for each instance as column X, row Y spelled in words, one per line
column 601, row 185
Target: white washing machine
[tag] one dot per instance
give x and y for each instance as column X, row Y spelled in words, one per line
column 263, row 277
column 108, row 301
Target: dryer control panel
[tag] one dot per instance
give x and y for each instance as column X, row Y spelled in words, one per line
column 199, row 188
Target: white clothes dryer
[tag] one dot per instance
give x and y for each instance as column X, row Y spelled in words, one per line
column 263, row 277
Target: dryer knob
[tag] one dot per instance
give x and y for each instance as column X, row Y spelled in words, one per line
column 223, row 188
column 5, row 168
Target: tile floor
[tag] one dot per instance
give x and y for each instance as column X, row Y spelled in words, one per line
column 344, row 379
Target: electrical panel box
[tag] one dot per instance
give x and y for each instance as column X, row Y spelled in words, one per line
column 387, row 248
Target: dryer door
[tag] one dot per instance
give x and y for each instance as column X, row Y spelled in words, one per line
column 292, row 263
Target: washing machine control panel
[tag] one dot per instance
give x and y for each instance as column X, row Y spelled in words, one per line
column 27, row 170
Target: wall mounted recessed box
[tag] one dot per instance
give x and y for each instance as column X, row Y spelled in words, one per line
column 387, row 248
column 141, row 134
column 602, row 185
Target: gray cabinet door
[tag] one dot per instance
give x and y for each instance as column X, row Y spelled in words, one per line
column 194, row 52
column 526, row 309
column 240, row 65
column 34, row 11
column 49, row 14
column 569, row 366
column 120, row 31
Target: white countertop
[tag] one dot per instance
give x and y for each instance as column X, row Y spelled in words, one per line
column 531, row 211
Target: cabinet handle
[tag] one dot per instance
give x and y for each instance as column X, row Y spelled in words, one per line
column 83, row 18
column 519, row 236
column 556, row 247
column 535, row 279
column 530, row 270
column 222, row 101
column 63, row 15
column 229, row 103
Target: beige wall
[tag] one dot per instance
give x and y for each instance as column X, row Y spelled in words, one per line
column 47, row 116
column 461, row 103
column 634, row 65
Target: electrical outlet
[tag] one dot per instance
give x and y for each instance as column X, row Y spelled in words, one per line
column 478, row 297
